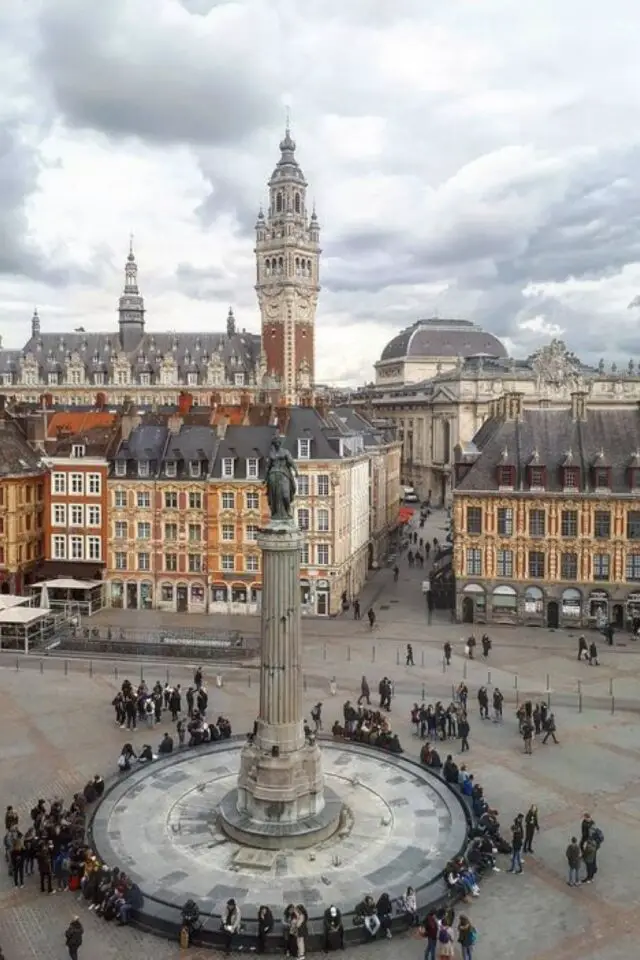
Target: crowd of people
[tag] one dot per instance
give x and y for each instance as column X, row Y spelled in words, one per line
column 367, row 724
column 142, row 705
column 53, row 847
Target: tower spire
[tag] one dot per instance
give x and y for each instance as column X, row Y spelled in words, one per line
column 131, row 305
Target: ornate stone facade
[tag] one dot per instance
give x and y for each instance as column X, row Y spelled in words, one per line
column 546, row 516
column 83, row 368
column 437, row 414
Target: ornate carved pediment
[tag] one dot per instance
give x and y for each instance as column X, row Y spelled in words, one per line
column 555, row 365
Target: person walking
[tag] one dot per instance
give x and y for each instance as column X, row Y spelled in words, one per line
column 356, row 609
column 593, row 654
column 527, row 736
column 589, row 856
column 517, row 838
column 447, row 653
column 73, row 937
column 531, row 827
column 409, row 658
column 372, row 618
column 550, row 728
column 365, row 693
column 396, row 573
column 463, row 732
column 573, row 855
column 583, row 650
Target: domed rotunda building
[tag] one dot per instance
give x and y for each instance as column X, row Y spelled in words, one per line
column 430, row 347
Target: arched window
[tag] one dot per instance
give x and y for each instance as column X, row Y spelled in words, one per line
column 308, row 268
column 297, row 203
column 274, row 265
column 279, row 203
column 297, row 266
column 280, row 265
column 267, row 267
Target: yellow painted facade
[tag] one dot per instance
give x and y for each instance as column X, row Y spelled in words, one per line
column 551, row 558
column 21, row 529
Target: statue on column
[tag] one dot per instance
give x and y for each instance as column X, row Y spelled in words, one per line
column 280, row 481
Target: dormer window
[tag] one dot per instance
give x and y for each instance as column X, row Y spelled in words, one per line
column 52, row 379
column 571, row 478
column 238, row 379
column 78, row 450
column 227, row 468
column 192, row 379
column 252, row 468
column 195, row 468
column 602, row 478
column 121, row 468
column 143, row 468
column 506, row 477
column 536, row 478
column 304, row 449
column 98, row 379
column 145, row 379
column 171, row 468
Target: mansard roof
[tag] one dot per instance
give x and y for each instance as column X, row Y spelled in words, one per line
column 560, row 442
column 190, row 352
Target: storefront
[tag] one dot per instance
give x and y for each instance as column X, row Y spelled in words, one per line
column 633, row 608
column 571, row 604
column 504, row 605
column 235, row 598
column 598, row 607
column 474, row 604
column 533, row 604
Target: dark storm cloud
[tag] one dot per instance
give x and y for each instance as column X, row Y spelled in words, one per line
column 19, row 169
column 115, row 69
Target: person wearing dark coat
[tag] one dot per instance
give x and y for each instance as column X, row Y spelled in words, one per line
column 265, row 926
column 531, row 827
column 583, row 650
column 73, row 938
column 593, row 654
column 45, row 866
column 384, row 909
column 333, row 929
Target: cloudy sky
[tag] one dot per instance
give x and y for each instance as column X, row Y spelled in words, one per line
column 477, row 158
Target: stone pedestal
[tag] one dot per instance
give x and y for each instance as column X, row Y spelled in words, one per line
column 280, row 790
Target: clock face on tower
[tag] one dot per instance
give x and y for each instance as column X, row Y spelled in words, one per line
column 273, row 309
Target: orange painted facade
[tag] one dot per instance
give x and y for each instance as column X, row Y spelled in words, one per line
column 22, row 509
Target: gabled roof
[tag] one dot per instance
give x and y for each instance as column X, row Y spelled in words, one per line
column 74, row 423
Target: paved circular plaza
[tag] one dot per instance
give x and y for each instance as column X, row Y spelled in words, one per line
column 160, row 823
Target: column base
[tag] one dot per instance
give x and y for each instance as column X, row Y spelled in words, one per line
column 292, row 834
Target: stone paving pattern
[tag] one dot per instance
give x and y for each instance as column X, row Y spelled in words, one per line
column 160, row 821
column 57, row 730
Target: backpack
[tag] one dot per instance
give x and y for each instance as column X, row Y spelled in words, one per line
column 443, row 935
column 473, row 936
column 597, row 836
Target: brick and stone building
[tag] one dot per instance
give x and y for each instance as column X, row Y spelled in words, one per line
column 22, row 507
column 155, row 368
column 546, row 513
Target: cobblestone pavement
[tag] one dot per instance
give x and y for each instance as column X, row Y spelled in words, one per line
column 57, row 729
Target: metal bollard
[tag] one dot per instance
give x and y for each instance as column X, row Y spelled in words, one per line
column 17, row 663
column 249, row 679
column 324, row 652
column 423, row 695
column 579, row 696
column 453, row 692
column 422, row 658
column 141, row 674
column 464, row 670
column 398, row 657
column 488, row 678
column 444, row 664
column 167, row 673
column 515, row 682
column 66, row 668
column 610, row 686
column 41, row 666
column 304, row 683
column 613, row 705
column 90, row 668
column 373, row 654
column 348, row 654
column 548, row 687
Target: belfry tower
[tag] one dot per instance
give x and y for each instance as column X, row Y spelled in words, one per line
column 287, row 276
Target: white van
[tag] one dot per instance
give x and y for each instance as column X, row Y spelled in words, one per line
column 409, row 495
